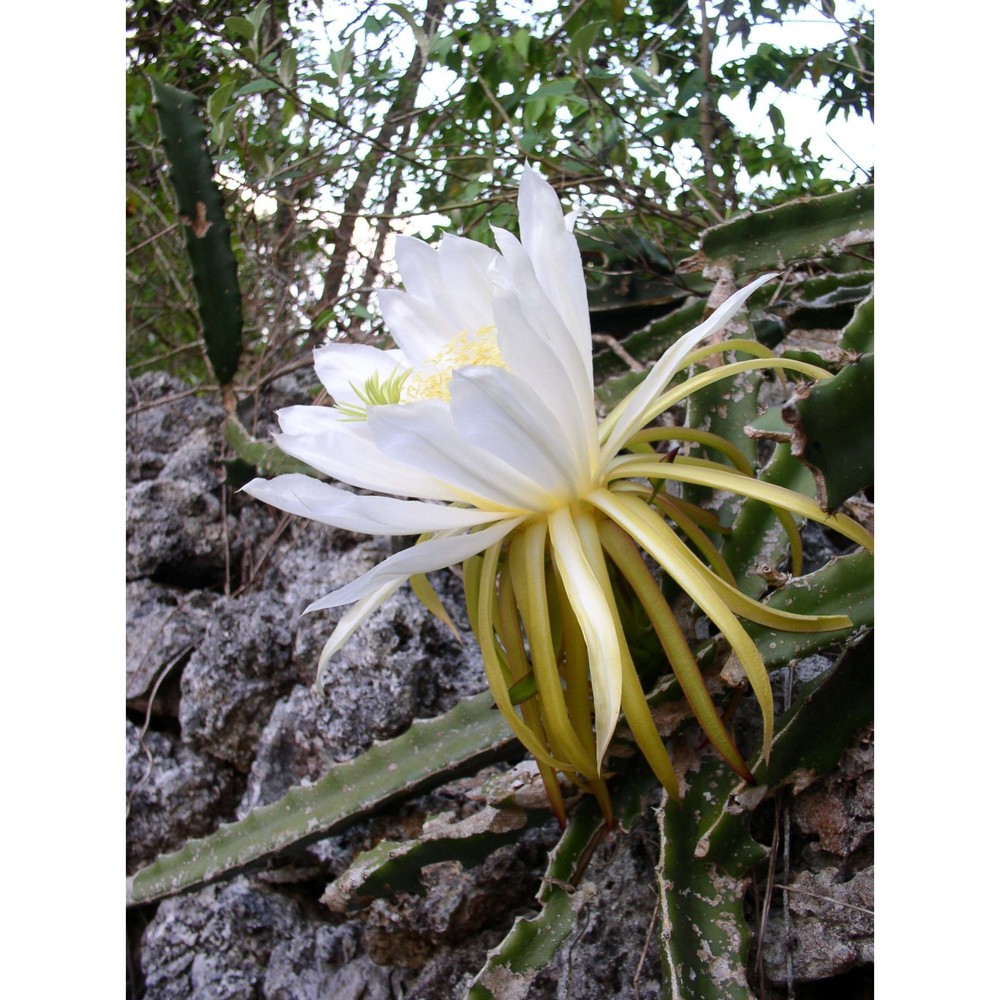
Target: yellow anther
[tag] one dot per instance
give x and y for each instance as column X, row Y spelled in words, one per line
column 431, row 378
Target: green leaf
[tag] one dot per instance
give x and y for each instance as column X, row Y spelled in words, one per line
column 430, row 752
column 423, row 42
column 646, row 83
column 555, row 88
column 287, row 67
column 582, row 40
column 223, row 127
column 480, row 43
column 240, row 27
column 257, row 15
column 257, row 87
column 218, row 101
column 521, row 40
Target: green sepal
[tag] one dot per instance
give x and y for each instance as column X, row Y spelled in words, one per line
column 525, row 688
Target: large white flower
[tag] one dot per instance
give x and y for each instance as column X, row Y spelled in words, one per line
column 485, row 413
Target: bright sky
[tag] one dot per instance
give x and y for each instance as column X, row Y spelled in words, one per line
column 842, row 141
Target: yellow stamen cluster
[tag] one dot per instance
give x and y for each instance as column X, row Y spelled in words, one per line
column 432, row 378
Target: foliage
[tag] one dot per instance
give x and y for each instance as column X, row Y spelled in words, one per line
column 327, row 139
column 329, row 136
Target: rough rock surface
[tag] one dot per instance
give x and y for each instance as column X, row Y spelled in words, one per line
column 162, row 417
column 234, row 677
column 402, row 664
column 830, row 899
column 165, row 625
column 173, row 794
column 244, row 941
column 178, row 533
column 218, row 584
column 607, row 957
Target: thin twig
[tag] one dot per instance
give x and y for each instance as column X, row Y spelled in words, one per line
column 827, row 899
column 616, row 347
column 787, row 689
column 769, row 886
column 145, row 726
column 163, row 400
column 645, row 947
column 152, row 239
column 183, row 349
column 286, row 519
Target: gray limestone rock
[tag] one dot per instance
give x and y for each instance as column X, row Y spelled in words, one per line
column 829, row 928
column 165, row 624
column 154, row 433
column 606, row 958
column 173, row 794
column 196, row 460
column 245, row 941
column 234, row 678
column 175, row 532
column 409, row 929
column 401, row 665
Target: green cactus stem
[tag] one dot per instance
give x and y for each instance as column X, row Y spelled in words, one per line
column 429, row 753
column 800, row 230
column 200, row 208
column 859, row 334
column 833, row 431
column 533, row 943
column 263, row 457
column 706, row 849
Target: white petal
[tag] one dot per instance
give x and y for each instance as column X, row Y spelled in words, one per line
column 631, row 418
column 372, row 515
column 418, row 267
column 515, row 271
column 423, row 435
column 339, row 366
column 558, row 377
column 345, row 450
column 354, row 617
column 470, row 261
column 448, row 292
column 554, row 254
column 498, row 412
column 419, row 328
column 435, row 553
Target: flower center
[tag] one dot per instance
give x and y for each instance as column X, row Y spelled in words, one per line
column 431, row 379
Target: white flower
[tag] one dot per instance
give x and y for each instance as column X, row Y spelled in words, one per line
column 485, row 414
